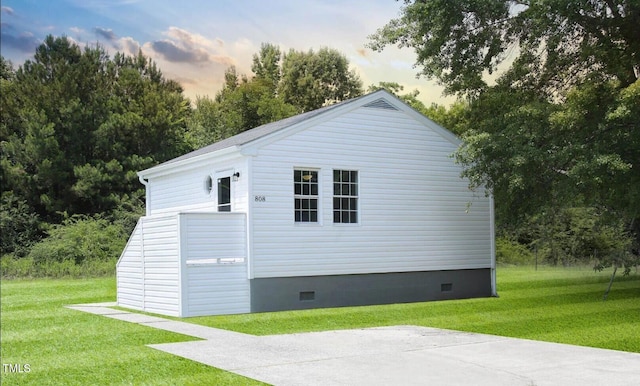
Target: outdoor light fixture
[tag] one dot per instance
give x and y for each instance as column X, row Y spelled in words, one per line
column 236, row 175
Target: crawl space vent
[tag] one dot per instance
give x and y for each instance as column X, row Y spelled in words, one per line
column 380, row 104
column 307, row 296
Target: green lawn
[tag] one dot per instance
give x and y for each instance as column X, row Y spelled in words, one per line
column 63, row 346
column 550, row 304
column 67, row 347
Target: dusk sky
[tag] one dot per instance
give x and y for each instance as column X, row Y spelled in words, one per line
column 195, row 41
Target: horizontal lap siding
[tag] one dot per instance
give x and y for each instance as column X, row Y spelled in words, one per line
column 414, row 207
column 215, row 235
column 129, row 272
column 215, row 288
column 186, row 190
column 161, row 265
column 218, row 289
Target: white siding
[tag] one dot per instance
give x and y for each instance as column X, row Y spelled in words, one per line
column 218, row 289
column 186, row 264
column 161, row 265
column 215, row 260
column 129, row 274
column 186, row 190
column 148, row 269
column 413, row 205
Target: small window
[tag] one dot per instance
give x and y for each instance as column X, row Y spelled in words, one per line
column 345, row 196
column 305, row 186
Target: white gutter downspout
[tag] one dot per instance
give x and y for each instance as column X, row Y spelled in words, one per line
column 147, row 194
column 142, row 252
column 492, row 231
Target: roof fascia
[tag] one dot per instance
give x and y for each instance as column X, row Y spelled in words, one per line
column 174, row 167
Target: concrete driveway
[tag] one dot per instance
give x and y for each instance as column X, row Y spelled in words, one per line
column 397, row 355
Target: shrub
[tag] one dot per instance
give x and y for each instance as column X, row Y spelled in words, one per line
column 80, row 247
column 80, row 239
column 580, row 235
column 15, row 267
column 511, row 252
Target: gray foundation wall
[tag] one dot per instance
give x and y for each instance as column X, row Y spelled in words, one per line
column 297, row 293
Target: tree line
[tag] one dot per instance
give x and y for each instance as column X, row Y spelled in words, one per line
column 554, row 138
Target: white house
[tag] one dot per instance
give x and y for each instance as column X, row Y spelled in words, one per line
column 352, row 204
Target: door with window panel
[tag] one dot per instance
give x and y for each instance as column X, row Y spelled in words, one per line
column 224, row 194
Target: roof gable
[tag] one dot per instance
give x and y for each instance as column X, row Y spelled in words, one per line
column 380, row 99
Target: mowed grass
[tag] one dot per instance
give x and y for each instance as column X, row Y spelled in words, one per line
column 550, row 304
column 67, row 347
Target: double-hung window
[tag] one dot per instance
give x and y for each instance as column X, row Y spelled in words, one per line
column 305, row 184
column 345, row 196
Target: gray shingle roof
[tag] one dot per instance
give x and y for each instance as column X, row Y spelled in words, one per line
column 258, row 132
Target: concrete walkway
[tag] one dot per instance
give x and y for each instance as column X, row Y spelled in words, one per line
column 398, row 355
